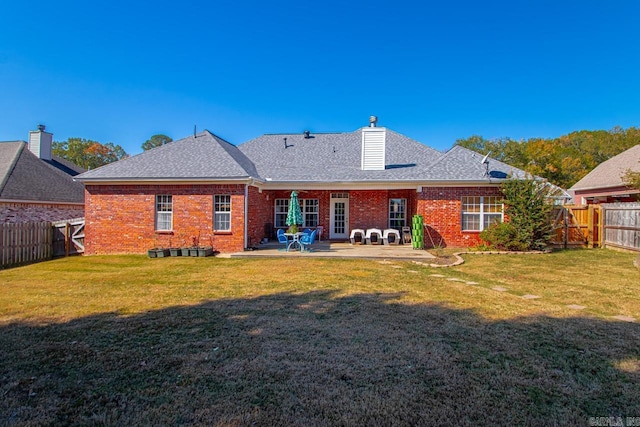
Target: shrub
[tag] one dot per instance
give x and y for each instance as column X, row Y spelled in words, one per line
column 528, row 208
column 503, row 236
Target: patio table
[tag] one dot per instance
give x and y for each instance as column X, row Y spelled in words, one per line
column 295, row 239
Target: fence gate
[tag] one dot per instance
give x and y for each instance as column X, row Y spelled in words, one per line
column 577, row 226
column 68, row 237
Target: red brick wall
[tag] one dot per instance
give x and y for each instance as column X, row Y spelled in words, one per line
column 121, row 218
column 20, row 212
column 441, row 210
column 370, row 208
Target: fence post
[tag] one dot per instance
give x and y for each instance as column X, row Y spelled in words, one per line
column 67, row 239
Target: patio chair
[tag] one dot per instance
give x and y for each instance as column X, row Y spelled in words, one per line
column 357, row 232
column 282, row 238
column 307, row 231
column 307, row 240
column 320, row 229
column 395, row 236
column 371, row 232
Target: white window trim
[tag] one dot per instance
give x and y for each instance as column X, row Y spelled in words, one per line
column 168, row 213
column 303, row 207
column 482, row 213
column 389, row 211
column 226, row 213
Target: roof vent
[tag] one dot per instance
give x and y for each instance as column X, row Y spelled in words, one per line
column 307, row 134
column 373, row 120
column 373, row 148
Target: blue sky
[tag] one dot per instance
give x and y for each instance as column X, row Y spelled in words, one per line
column 119, row 72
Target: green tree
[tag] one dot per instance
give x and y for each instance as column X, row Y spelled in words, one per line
column 156, row 141
column 528, row 208
column 631, row 179
column 87, row 153
column 563, row 160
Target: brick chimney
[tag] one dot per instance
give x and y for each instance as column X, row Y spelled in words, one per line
column 40, row 143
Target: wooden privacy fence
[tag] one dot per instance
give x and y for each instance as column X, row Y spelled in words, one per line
column 29, row 242
column 577, row 226
column 622, row 225
column 25, row 243
column 608, row 224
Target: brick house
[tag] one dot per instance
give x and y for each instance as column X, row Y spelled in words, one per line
column 604, row 183
column 234, row 196
column 36, row 185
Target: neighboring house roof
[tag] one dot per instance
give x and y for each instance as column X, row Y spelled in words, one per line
column 23, row 176
column 204, row 156
column 608, row 174
column 320, row 158
column 65, row 165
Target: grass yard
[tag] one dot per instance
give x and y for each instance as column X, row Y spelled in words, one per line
column 505, row 340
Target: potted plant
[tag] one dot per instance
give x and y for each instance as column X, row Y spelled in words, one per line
column 184, row 249
column 206, row 250
column 174, row 251
column 157, row 251
column 193, row 250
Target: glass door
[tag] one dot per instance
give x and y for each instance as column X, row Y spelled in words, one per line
column 339, row 226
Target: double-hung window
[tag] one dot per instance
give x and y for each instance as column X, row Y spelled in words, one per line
column 397, row 213
column 479, row 212
column 309, row 212
column 308, row 207
column 164, row 212
column 222, row 212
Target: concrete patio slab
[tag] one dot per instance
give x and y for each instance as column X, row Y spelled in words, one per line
column 327, row 249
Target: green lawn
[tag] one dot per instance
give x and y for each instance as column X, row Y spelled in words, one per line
column 126, row 340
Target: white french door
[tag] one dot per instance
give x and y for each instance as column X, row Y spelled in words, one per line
column 339, row 223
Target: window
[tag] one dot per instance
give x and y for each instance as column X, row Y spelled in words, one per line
column 309, row 212
column 164, row 212
column 309, row 208
column 282, row 207
column 222, row 213
column 397, row 213
column 479, row 212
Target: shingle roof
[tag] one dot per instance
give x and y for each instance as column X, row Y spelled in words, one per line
column 204, row 156
column 609, row 173
column 323, row 157
column 23, row 176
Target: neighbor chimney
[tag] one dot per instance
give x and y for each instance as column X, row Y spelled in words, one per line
column 373, row 120
column 40, row 143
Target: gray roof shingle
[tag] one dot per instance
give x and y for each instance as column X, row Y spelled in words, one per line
column 204, row 156
column 323, row 157
column 23, row 176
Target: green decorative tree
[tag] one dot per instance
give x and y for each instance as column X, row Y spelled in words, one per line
column 528, row 207
column 87, row 153
column 631, row 179
column 156, row 141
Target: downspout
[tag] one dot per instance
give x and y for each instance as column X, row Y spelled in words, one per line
column 251, row 181
column 246, row 213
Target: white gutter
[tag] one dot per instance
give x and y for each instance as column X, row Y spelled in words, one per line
column 374, row 185
column 204, row 180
